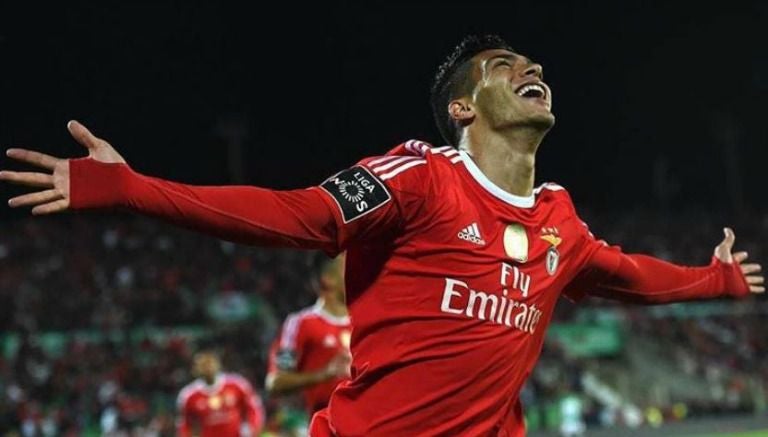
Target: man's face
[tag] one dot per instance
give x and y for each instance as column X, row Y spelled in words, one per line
column 510, row 91
column 333, row 278
column 206, row 365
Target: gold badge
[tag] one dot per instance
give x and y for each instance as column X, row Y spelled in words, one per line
column 214, row 402
column 516, row 242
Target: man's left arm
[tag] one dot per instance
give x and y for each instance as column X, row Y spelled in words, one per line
column 612, row 274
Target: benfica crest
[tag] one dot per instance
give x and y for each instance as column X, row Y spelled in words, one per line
column 516, row 242
column 551, row 236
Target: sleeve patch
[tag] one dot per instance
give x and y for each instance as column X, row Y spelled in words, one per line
column 286, row 360
column 356, row 192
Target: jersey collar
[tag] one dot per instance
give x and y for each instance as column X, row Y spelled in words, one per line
column 213, row 388
column 330, row 318
column 495, row 190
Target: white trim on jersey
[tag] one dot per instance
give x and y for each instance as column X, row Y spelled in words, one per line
column 200, row 385
column 328, row 317
column 549, row 186
column 382, row 159
column 187, row 392
column 393, row 163
column 417, row 147
column 290, row 330
column 477, row 174
column 402, row 168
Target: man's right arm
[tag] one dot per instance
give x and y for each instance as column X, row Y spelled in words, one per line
column 328, row 217
column 287, row 381
column 251, row 215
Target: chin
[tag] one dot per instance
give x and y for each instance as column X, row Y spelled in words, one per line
column 543, row 120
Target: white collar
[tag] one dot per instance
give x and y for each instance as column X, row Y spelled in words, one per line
column 218, row 382
column 330, row 318
column 482, row 179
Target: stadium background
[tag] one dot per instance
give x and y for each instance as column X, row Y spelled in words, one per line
column 660, row 139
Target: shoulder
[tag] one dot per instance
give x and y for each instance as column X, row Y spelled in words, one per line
column 187, row 392
column 292, row 325
column 554, row 193
column 237, row 380
column 412, row 161
column 404, row 176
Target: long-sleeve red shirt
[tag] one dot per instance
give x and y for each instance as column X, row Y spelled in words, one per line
column 451, row 281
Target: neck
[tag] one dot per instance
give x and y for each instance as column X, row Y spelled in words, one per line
column 332, row 306
column 507, row 158
column 210, row 379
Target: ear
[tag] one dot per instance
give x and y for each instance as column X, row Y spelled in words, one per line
column 461, row 111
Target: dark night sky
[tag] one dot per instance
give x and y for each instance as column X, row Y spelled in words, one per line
column 640, row 88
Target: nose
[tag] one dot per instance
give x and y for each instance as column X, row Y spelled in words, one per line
column 533, row 70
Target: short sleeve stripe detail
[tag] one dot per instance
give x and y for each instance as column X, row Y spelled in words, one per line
column 417, row 147
column 393, row 163
column 402, row 168
column 290, row 328
column 382, row 159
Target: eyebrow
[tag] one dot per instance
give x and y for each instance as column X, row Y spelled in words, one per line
column 511, row 57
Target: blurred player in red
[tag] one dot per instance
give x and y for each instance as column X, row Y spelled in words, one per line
column 454, row 259
column 218, row 404
column 311, row 353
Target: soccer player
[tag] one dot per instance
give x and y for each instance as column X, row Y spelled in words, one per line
column 218, row 404
column 454, row 260
column 311, row 354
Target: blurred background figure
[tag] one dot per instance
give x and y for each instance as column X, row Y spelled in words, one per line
column 218, row 404
column 311, row 353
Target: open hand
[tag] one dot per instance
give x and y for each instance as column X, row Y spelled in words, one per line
column 751, row 271
column 52, row 179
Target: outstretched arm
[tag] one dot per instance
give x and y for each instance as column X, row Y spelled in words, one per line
column 252, row 215
column 643, row 279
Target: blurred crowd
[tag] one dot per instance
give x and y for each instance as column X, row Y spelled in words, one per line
column 93, row 312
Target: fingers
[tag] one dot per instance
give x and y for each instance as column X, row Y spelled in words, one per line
column 729, row 239
column 755, row 282
column 740, row 257
column 31, row 179
column 52, row 207
column 38, row 198
column 34, row 158
column 82, row 135
column 750, row 268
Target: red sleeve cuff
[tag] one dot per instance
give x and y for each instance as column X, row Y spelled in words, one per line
column 94, row 184
column 734, row 282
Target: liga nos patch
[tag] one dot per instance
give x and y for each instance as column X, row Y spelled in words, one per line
column 357, row 192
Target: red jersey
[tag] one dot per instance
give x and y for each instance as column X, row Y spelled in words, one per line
column 220, row 410
column 450, row 280
column 308, row 340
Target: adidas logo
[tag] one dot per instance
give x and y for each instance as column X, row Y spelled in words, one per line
column 472, row 234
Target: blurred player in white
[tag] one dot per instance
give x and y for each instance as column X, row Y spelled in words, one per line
column 218, row 404
column 311, row 353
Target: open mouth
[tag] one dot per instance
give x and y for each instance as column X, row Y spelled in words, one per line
column 532, row 91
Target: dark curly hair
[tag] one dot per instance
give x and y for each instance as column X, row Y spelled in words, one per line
column 453, row 79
